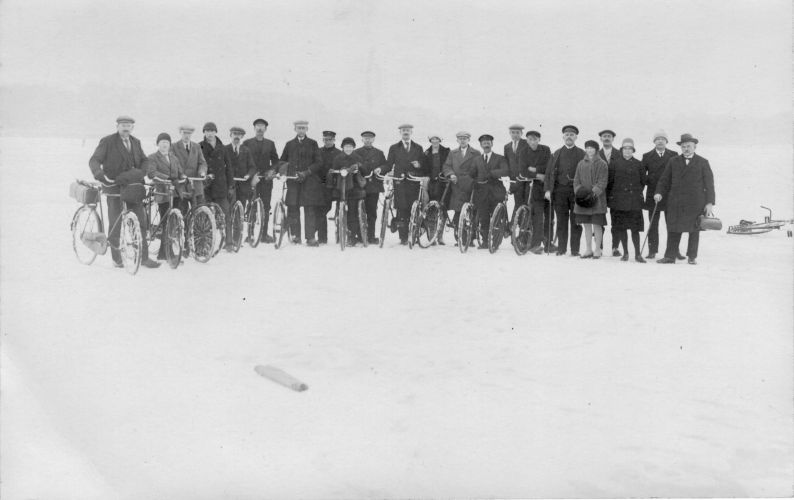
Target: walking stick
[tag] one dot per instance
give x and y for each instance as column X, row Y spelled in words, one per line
column 551, row 226
column 655, row 204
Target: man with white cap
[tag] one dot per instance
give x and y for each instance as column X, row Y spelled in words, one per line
column 653, row 163
column 404, row 158
column 458, row 168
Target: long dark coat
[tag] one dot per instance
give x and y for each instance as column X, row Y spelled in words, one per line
column 493, row 190
column 688, row 188
column 626, row 182
column 372, row 158
column 538, row 159
column 435, row 188
column 242, row 164
column 327, row 156
column 554, row 161
column 219, row 167
column 352, row 189
column 399, row 160
column 111, row 157
column 304, row 156
column 654, row 167
column 461, row 166
column 265, row 158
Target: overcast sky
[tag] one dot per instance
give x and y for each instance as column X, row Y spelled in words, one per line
column 444, row 65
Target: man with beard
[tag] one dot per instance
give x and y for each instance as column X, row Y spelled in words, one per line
column 405, row 158
column 372, row 160
column 265, row 158
column 560, row 172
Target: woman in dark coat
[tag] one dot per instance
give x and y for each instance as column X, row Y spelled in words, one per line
column 435, row 157
column 624, row 196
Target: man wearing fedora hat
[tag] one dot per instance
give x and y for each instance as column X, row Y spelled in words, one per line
column 406, row 158
column 653, row 163
column 559, row 189
column 687, row 184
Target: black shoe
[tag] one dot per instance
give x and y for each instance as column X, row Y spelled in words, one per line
column 586, row 256
column 537, row 250
column 373, row 240
column 625, row 258
column 639, row 259
column 665, row 260
column 691, row 261
column 651, row 255
column 150, row 264
column 441, row 242
column 160, row 256
column 616, row 252
column 680, row 257
column 296, row 241
column 117, row 263
column 266, row 238
column 323, row 242
column 574, row 254
column 551, row 247
column 403, row 242
column 482, row 246
column 560, row 253
column 312, row 243
column 229, row 248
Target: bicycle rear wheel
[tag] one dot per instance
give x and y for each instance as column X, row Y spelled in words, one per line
column 279, row 223
column 521, row 230
column 432, row 225
column 131, row 242
column 256, row 219
column 175, row 233
column 152, row 210
column 220, row 227
column 465, row 227
column 362, row 223
column 498, row 225
column 201, row 234
column 85, row 223
column 237, row 226
column 341, row 224
column 414, row 224
column 384, row 220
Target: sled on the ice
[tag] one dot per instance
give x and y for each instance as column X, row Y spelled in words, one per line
column 750, row 227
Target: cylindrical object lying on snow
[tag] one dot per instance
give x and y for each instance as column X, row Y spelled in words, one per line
column 280, row 377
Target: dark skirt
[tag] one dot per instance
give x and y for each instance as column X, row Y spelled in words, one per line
column 631, row 220
column 597, row 219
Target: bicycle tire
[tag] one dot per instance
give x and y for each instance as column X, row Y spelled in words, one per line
column 202, row 234
column 496, row 228
column 384, row 220
column 432, row 224
column 220, row 227
column 85, row 220
column 363, row 226
column 236, row 220
column 130, row 243
column 465, row 227
column 521, row 230
column 154, row 228
column 279, row 220
column 341, row 225
column 175, row 235
column 414, row 224
column 256, row 219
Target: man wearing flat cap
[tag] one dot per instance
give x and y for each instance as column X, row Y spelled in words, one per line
column 302, row 156
column 653, row 163
column 243, row 166
column 372, row 160
column 515, row 153
column 119, row 157
column 265, row 157
column 487, row 172
column 405, row 158
column 328, row 152
column 459, row 170
column 687, row 184
column 193, row 162
column 560, row 172
column 219, row 168
column 610, row 155
column 537, row 157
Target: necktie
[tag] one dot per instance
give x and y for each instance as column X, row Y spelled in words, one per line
column 686, row 160
column 515, row 146
column 407, row 146
column 486, row 159
column 127, row 144
column 187, row 148
column 236, row 151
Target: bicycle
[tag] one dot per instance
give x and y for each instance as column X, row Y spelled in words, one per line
column 170, row 228
column 201, row 226
column 469, row 223
column 280, row 223
column 250, row 218
column 340, row 215
column 521, row 229
column 88, row 236
column 446, row 222
column 425, row 220
column 386, row 214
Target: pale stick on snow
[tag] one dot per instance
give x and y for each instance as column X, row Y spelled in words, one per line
column 280, row 377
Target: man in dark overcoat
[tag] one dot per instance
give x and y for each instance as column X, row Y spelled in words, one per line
column 516, row 156
column 610, row 155
column 242, row 164
column 538, row 156
column 220, row 169
column 372, row 160
column 559, row 189
column 263, row 151
column 687, row 184
column 653, row 163
column 116, row 157
column 405, row 158
column 487, row 172
column 302, row 155
column 328, row 152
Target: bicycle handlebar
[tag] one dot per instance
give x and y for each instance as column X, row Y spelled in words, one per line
column 417, row 179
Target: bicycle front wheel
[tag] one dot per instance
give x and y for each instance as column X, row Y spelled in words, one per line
column 521, row 230
column 202, row 234
column 131, row 243
column 384, row 220
column 256, row 221
column 363, row 226
column 279, row 223
column 86, row 224
column 174, row 236
column 465, row 227
column 237, row 226
column 152, row 236
column 414, row 224
column 498, row 224
column 432, row 224
column 220, row 227
column 341, row 224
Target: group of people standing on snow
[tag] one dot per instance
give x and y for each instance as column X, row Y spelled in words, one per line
column 574, row 185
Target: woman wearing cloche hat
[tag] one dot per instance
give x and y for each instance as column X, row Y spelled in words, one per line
column 624, row 197
column 589, row 187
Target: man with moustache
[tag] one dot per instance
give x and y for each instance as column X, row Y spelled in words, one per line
column 653, row 163
column 219, row 168
column 328, row 152
column 265, row 157
column 515, row 153
column 302, row 155
column 405, row 158
column 558, row 184
column 372, row 160
column 610, row 156
column 117, row 158
column 489, row 168
column 458, row 169
column 537, row 157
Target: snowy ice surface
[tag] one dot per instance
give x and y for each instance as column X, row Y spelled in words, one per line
column 430, row 373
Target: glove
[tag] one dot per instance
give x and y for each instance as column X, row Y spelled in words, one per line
column 547, row 195
column 453, row 178
column 657, row 198
column 302, row 176
column 709, row 210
